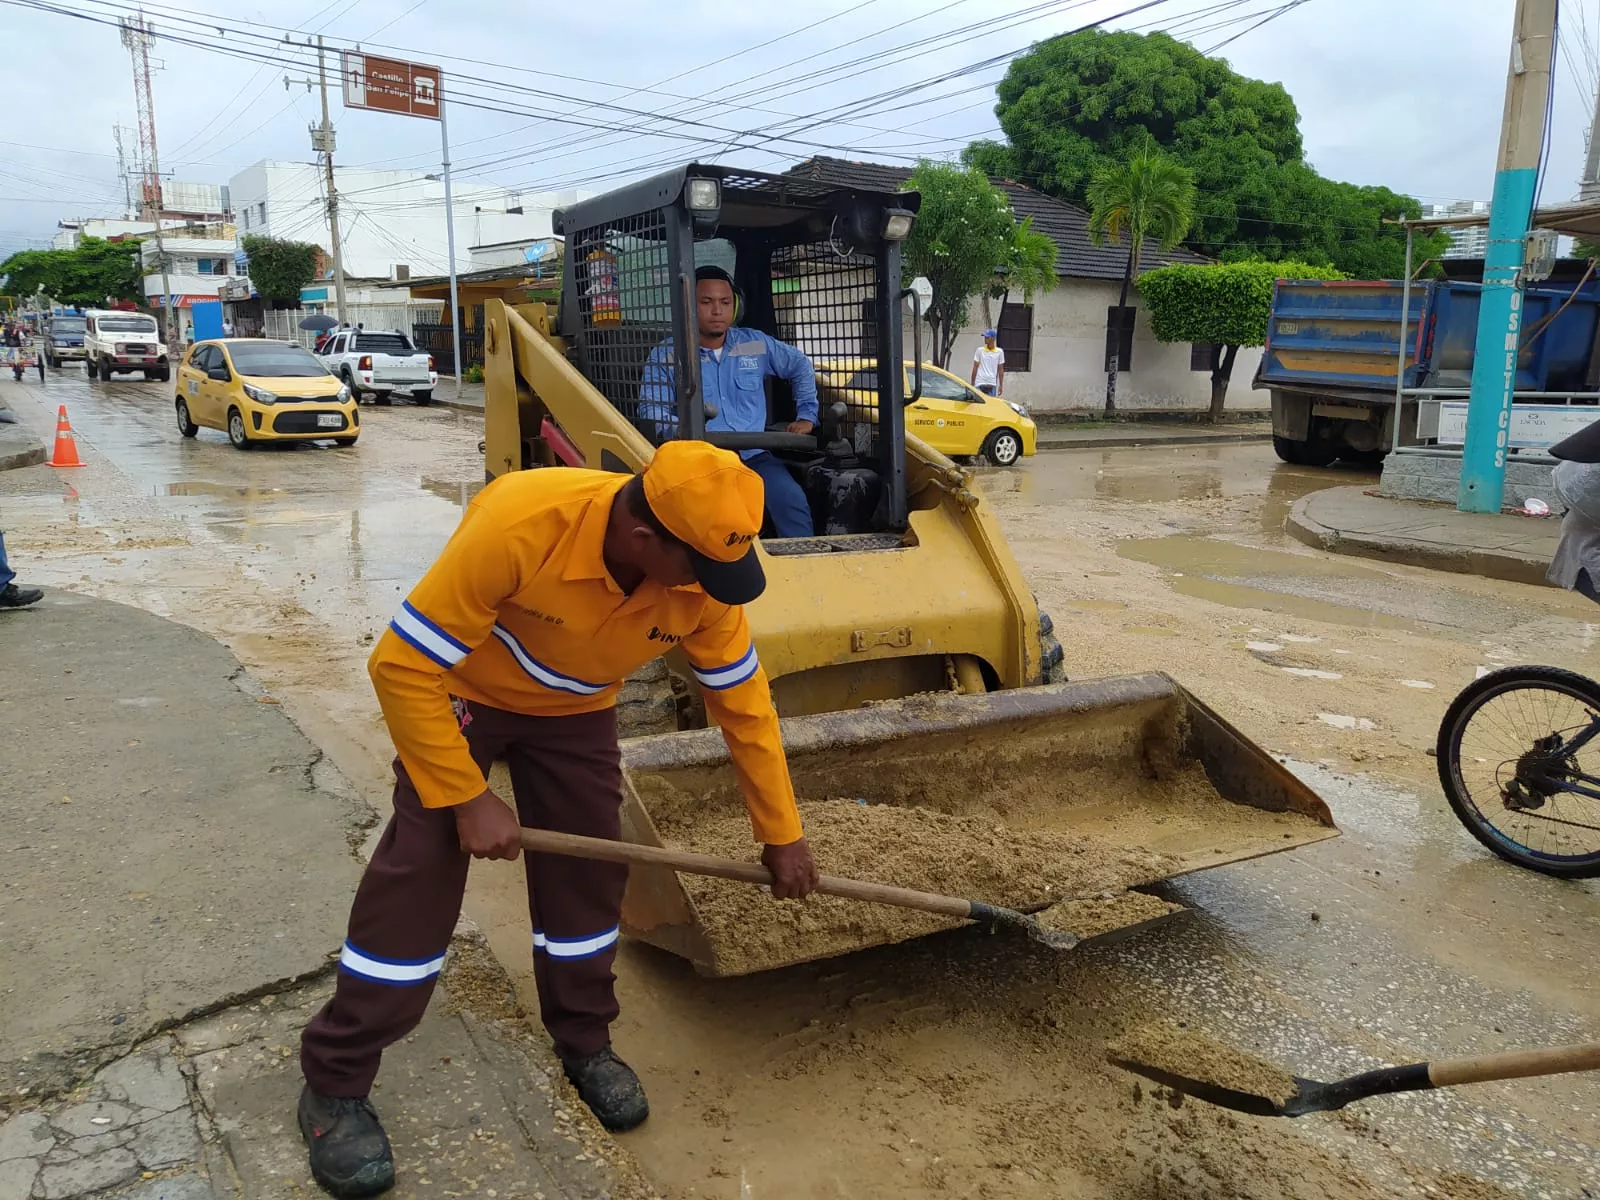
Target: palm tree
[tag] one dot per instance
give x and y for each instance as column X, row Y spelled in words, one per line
column 1149, row 196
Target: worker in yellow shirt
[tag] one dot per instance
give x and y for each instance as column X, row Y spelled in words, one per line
column 557, row 585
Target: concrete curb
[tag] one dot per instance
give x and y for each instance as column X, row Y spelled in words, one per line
column 1466, row 560
column 1182, row 439
column 19, row 449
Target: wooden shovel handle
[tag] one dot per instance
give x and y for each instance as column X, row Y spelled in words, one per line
column 1516, row 1065
column 546, row 841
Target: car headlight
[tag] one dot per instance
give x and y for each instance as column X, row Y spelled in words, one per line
column 260, row 395
column 1020, row 409
column 344, row 392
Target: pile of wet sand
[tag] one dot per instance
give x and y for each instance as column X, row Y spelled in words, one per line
column 967, row 856
column 1180, row 1051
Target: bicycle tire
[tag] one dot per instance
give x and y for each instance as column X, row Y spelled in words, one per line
column 1452, row 727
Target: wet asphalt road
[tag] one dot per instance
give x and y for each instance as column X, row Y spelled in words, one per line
column 296, row 556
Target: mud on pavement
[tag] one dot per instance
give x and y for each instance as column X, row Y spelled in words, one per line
column 963, row 1064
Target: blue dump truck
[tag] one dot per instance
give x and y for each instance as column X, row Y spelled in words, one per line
column 1333, row 348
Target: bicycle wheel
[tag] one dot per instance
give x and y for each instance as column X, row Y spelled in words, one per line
column 1505, row 759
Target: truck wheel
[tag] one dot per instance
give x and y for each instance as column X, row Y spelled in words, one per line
column 350, row 382
column 425, row 396
column 1304, row 454
column 105, row 371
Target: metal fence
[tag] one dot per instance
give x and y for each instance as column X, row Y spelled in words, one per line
column 435, row 339
column 825, row 303
column 283, row 324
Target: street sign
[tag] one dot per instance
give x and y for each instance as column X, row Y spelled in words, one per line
column 391, row 85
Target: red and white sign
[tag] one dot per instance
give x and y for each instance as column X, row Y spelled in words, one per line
column 390, row 85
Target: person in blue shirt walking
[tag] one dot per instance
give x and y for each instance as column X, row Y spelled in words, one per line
column 734, row 365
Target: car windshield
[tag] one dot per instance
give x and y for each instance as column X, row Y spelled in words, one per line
column 383, row 343
column 67, row 325
column 275, row 360
column 127, row 325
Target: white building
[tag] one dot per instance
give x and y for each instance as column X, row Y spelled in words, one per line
column 200, row 260
column 1471, row 242
column 388, row 220
column 181, row 204
column 1057, row 347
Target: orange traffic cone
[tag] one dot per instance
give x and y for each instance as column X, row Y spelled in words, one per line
column 66, row 451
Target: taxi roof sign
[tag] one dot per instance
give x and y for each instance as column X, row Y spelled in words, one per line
column 391, row 85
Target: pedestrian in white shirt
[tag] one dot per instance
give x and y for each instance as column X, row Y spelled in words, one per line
column 989, row 367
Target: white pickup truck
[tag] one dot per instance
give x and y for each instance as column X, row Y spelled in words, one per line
column 376, row 363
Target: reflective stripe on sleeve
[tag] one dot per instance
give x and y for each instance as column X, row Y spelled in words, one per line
column 548, row 676
column 720, row 678
column 571, row 948
column 388, row 970
column 427, row 637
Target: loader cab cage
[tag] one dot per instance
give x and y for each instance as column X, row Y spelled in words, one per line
column 813, row 268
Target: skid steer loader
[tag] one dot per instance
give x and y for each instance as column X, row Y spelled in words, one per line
column 909, row 661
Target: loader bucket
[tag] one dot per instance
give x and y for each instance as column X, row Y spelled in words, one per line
column 1138, row 779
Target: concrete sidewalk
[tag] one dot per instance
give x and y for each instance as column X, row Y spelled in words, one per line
column 179, row 864
column 1347, row 520
column 18, row 446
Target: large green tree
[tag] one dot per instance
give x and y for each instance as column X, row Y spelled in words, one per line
column 1224, row 306
column 279, row 268
column 964, row 239
column 1077, row 102
column 1149, row 196
column 90, row 275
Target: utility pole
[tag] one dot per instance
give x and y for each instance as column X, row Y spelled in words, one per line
column 1494, row 368
column 322, row 142
column 1589, row 189
column 450, row 243
column 137, row 34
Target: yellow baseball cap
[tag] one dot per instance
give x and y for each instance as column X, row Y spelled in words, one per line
column 709, row 500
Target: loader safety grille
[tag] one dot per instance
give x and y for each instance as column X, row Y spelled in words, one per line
column 843, row 543
column 624, row 303
column 825, row 297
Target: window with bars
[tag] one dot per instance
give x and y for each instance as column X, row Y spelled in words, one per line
column 1014, row 335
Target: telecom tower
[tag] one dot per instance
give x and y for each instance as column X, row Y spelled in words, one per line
column 137, row 34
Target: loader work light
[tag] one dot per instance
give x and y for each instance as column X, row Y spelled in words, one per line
column 704, row 195
column 896, row 224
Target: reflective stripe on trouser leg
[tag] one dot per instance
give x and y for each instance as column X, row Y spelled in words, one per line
column 567, row 773
column 400, row 925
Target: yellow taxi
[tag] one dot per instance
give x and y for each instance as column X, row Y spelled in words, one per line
column 950, row 415
column 256, row 390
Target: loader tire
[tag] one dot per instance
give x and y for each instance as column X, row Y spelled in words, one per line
column 646, row 703
column 1052, row 658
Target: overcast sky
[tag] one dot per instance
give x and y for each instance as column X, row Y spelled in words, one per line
column 1405, row 93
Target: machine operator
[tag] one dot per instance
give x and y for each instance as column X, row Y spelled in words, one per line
column 735, row 364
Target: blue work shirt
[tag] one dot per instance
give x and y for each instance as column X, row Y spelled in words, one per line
column 733, row 382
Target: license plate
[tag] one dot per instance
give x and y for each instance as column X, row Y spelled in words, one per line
column 329, row 421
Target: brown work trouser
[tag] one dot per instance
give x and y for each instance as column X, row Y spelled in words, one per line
column 566, row 774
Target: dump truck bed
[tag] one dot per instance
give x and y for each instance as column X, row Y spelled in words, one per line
column 1035, row 795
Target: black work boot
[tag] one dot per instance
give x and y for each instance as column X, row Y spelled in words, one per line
column 350, row 1153
column 610, row 1089
column 12, row 596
